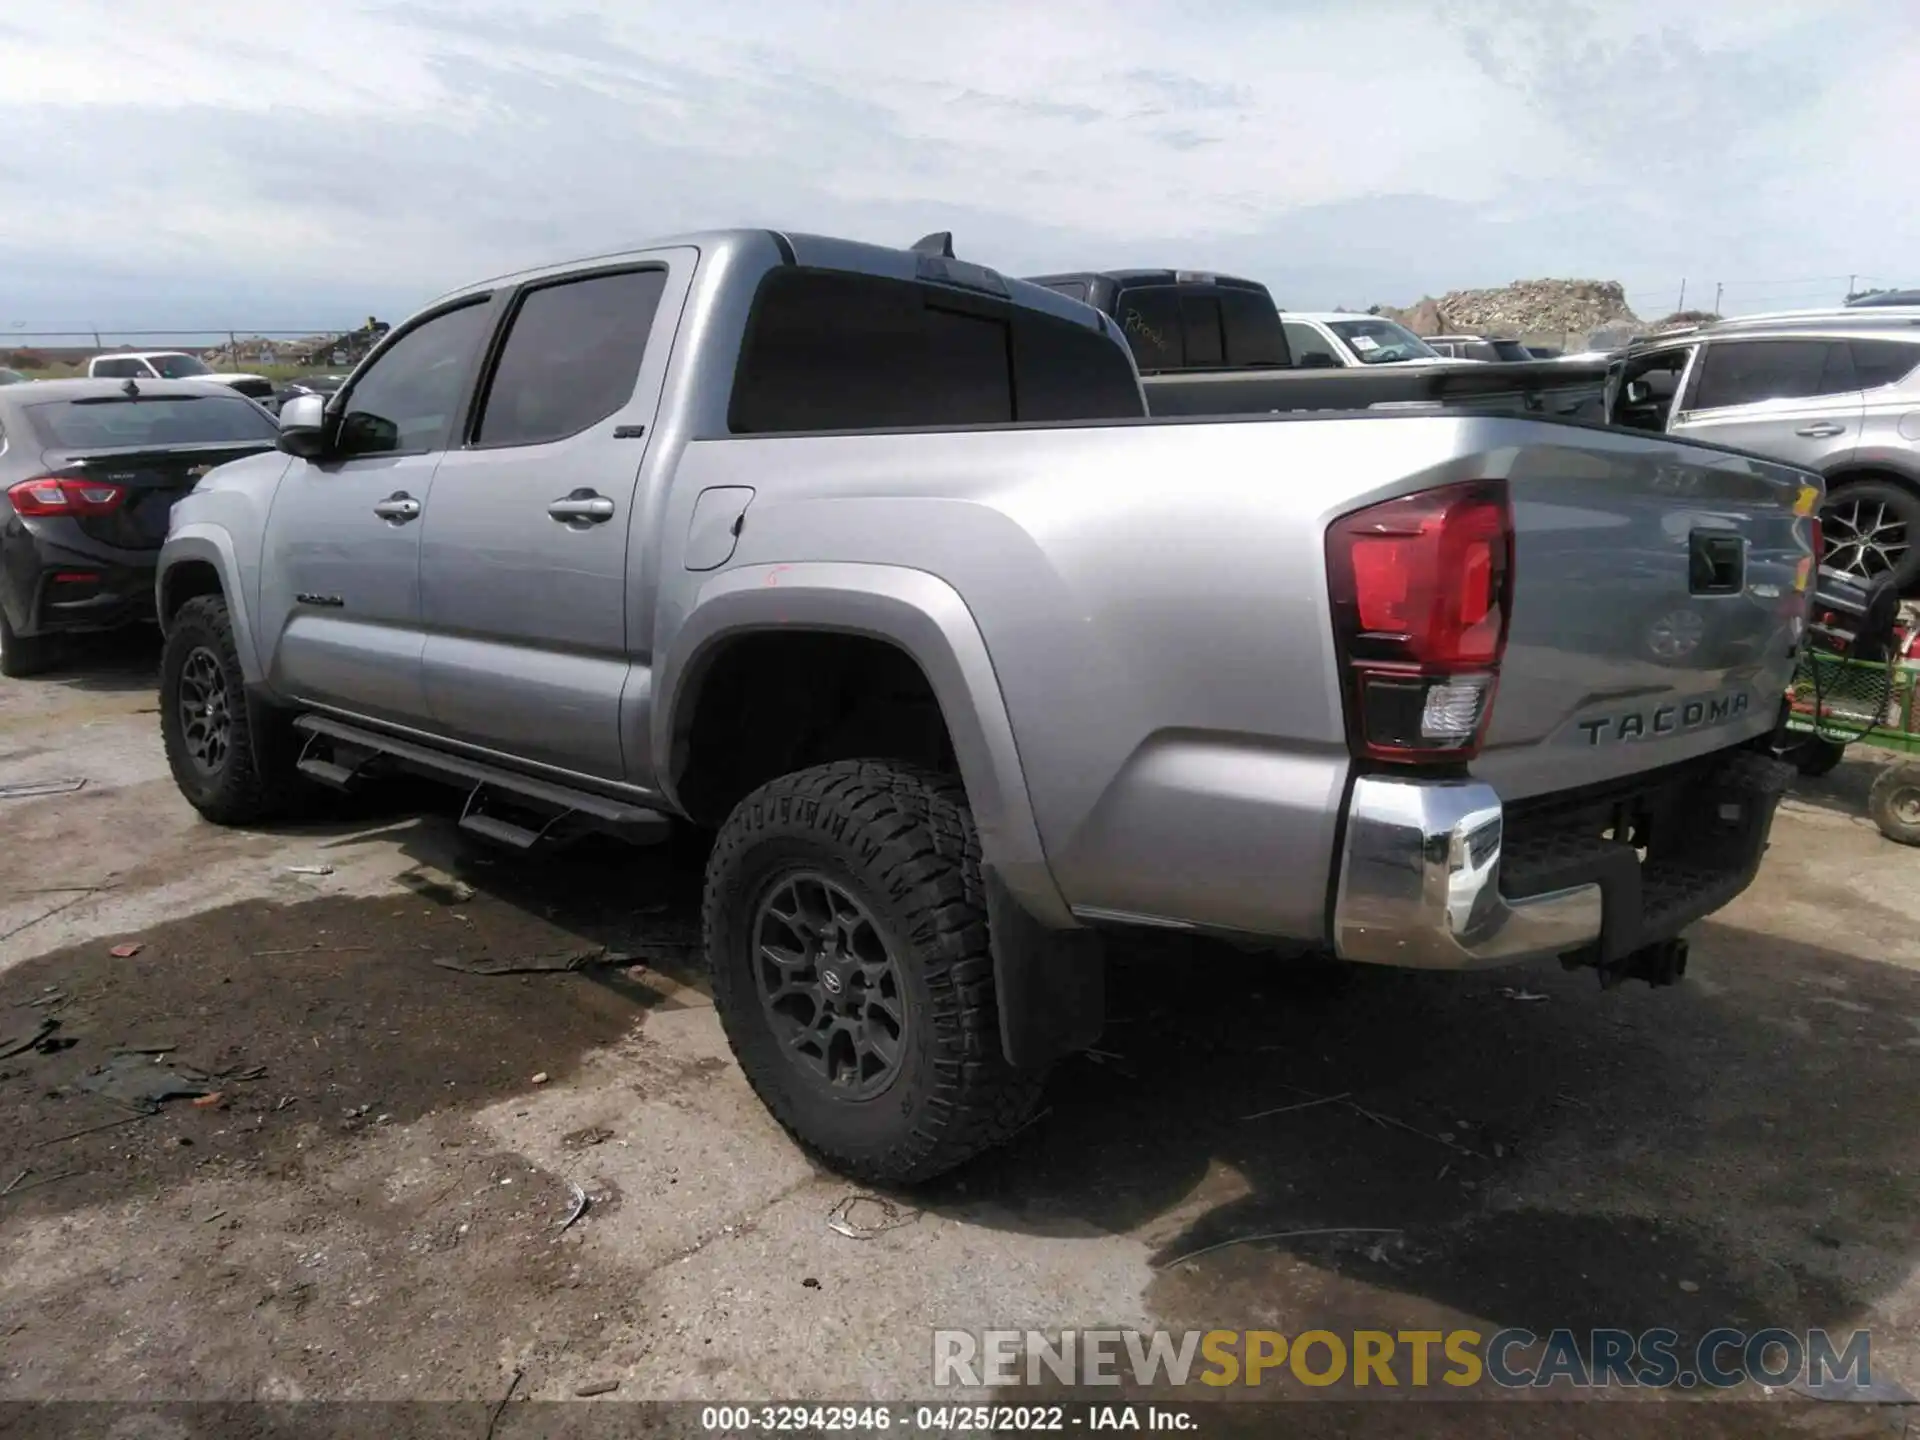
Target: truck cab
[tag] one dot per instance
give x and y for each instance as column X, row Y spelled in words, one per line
column 1178, row 320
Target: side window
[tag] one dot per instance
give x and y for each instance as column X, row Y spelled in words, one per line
column 1882, row 362
column 1254, row 335
column 1200, row 322
column 406, row 400
column 1150, row 320
column 1064, row 371
column 571, row 358
column 116, row 369
column 827, row 350
column 1741, row 372
column 1310, row 348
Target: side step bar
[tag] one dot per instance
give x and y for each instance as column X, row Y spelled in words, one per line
column 336, row 754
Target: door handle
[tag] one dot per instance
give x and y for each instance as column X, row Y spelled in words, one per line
column 398, row 507
column 1821, row 430
column 582, row 507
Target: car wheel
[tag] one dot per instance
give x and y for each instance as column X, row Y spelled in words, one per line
column 24, row 655
column 231, row 756
column 846, row 931
column 1872, row 530
column 1894, row 802
column 1813, row 756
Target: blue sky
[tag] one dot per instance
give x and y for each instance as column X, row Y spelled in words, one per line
column 283, row 165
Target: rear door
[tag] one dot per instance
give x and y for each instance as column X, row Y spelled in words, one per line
column 524, row 558
column 340, row 577
column 1790, row 399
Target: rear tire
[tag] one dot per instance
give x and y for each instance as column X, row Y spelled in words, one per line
column 25, row 655
column 231, row 756
column 1814, row 757
column 1872, row 529
column 1894, row 802
column 878, row 866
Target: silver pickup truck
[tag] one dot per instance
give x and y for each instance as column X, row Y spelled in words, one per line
column 871, row 562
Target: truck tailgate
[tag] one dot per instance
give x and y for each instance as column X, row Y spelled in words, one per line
column 1660, row 590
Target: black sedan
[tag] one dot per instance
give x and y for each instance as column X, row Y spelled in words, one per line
column 90, row 472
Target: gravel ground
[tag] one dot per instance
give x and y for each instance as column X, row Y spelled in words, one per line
column 368, row 1201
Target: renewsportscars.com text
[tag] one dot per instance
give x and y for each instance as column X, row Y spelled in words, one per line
column 1404, row 1359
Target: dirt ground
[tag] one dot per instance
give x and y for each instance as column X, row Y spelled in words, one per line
column 368, row 1201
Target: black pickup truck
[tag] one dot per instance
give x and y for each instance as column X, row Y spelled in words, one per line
column 1209, row 344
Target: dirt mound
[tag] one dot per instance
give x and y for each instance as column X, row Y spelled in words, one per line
column 1526, row 307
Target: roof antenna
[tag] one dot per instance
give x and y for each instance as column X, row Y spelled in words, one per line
column 940, row 243
column 130, row 390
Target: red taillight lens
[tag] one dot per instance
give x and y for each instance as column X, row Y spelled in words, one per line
column 65, row 495
column 1421, row 590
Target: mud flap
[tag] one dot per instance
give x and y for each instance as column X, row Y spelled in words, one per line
column 1050, row 985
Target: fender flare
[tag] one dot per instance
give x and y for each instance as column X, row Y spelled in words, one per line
column 210, row 544
column 923, row 616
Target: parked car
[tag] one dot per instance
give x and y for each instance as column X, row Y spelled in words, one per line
column 90, row 470
column 1339, row 340
column 1835, row 391
column 1478, row 347
column 174, row 365
column 12, row 377
column 1210, row 344
column 871, row 561
column 321, row 385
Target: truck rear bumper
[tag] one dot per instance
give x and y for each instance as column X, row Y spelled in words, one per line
column 1437, row 874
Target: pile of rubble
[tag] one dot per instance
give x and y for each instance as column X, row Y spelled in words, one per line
column 1526, row 307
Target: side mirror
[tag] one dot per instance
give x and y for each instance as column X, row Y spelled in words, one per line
column 303, row 426
column 1638, row 392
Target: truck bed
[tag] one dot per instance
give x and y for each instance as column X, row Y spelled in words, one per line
column 1545, row 388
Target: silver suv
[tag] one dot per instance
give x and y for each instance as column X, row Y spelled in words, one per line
column 1837, row 391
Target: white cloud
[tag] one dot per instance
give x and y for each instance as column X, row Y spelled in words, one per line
column 196, row 155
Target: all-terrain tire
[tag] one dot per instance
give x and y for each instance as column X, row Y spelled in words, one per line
column 257, row 781
column 900, row 840
column 25, row 655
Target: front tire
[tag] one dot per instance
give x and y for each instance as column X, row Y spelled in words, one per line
column 1894, row 802
column 231, row 756
column 22, row 656
column 846, row 930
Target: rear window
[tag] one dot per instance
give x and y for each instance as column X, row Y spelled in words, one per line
column 1150, row 320
column 115, row 421
column 828, row 350
column 179, row 367
column 1254, row 336
column 1882, row 362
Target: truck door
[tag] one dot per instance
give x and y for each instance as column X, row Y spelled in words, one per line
column 526, row 550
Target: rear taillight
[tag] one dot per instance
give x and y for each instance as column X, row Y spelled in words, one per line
column 65, row 495
column 1421, row 588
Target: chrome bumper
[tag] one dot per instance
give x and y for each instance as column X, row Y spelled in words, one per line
column 1420, row 883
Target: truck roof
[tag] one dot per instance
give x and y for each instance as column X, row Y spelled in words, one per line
column 1153, row 277
column 826, row 253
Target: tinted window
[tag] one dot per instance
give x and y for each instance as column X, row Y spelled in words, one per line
column 1882, row 362
column 1253, row 329
column 103, row 422
column 1734, row 372
column 1380, row 342
column 117, row 369
column 408, row 396
column 1309, row 346
column 1063, row 371
column 1150, row 320
column 1200, row 323
column 832, row 351
column 571, row 357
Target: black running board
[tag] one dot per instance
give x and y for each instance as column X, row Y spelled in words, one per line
column 503, row 806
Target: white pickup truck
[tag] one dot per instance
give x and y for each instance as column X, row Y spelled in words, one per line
column 174, row 365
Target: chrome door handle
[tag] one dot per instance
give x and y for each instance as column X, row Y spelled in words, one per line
column 398, row 507
column 1821, row 430
column 582, row 507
